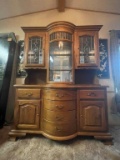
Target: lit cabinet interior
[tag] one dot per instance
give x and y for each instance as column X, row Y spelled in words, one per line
column 60, row 57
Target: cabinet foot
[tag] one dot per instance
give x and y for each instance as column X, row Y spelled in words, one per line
column 107, row 140
column 14, row 134
column 11, row 138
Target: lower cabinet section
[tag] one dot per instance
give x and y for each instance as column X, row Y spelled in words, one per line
column 61, row 113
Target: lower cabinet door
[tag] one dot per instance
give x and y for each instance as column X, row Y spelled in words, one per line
column 93, row 116
column 27, row 114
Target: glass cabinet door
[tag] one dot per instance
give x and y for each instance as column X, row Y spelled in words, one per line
column 88, row 51
column 60, row 57
column 35, row 50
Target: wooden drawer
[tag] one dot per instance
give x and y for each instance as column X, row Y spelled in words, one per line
column 28, row 93
column 59, row 105
column 92, row 94
column 57, row 129
column 58, row 94
column 57, row 116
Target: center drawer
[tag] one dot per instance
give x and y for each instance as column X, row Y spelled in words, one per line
column 59, row 116
column 59, row 94
column 55, row 129
column 59, row 105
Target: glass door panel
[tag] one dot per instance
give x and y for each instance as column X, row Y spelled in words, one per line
column 35, row 50
column 86, row 49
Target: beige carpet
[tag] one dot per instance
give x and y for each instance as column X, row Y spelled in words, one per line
column 40, row 148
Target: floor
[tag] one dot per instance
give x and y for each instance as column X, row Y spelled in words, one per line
column 40, row 148
column 4, row 134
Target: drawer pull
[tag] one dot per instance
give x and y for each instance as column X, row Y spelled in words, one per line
column 92, row 94
column 58, row 129
column 60, row 107
column 59, row 118
column 60, row 96
column 29, row 94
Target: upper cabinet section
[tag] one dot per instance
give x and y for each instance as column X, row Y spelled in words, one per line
column 60, row 48
column 86, row 48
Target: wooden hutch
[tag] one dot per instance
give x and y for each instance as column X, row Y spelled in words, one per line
column 61, row 98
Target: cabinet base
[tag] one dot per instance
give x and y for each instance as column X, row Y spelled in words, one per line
column 106, row 138
column 59, row 138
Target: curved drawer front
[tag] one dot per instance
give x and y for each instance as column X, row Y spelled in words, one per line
column 59, row 116
column 56, row 129
column 58, row 94
column 59, row 105
column 28, row 93
column 92, row 94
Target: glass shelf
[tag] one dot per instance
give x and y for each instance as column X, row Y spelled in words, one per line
column 60, row 76
column 60, row 62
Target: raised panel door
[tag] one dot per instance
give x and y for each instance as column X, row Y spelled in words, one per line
column 28, row 114
column 92, row 116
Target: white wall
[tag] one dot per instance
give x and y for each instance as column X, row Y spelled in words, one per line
column 77, row 17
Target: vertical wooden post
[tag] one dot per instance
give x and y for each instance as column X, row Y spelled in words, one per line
column 61, row 5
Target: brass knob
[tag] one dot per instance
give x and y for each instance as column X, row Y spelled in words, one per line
column 56, row 95
column 29, row 94
column 60, row 107
column 58, row 129
column 92, row 94
column 59, row 118
column 60, row 96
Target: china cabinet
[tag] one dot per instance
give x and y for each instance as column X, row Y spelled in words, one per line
column 60, row 98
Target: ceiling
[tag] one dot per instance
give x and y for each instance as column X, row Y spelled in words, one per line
column 13, row 8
